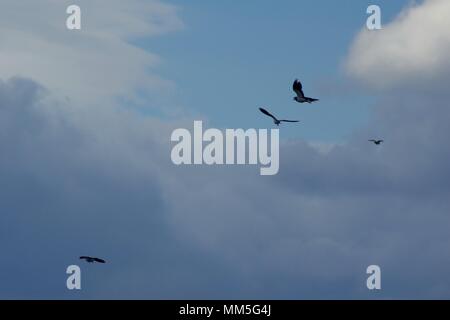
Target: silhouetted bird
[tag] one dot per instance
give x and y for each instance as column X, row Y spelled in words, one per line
column 275, row 120
column 92, row 259
column 377, row 142
column 298, row 89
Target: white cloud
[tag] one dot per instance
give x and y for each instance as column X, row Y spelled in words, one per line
column 414, row 47
column 102, row 181
column 90, row 65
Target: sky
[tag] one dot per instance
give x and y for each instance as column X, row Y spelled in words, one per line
column 231, row 59
column 85, row 124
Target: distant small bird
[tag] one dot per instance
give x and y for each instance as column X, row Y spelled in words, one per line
column 275, row 120
column 377, row 142
column 298, row 89
column 92, row 259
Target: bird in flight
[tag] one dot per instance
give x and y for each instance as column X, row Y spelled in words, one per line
column 275, row 120
column 377, row 142
column 92, row 259
column 298, row 89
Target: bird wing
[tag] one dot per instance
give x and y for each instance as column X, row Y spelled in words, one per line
column 99, row 260
column 267, row 113
column 84, row 258
column 289, row 121
column 298, row 88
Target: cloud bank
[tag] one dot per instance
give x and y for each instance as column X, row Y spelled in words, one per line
column 94, row 64
column 414, row 48
column 100, row 181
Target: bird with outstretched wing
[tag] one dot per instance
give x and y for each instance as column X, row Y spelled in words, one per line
column 275, row 120
column 300, row 98
column 377, row 142
column 92, row 259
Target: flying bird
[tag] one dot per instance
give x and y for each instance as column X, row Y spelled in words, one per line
column 92, row 259
column 377, row 142
column 298, row 89
column 275, row 120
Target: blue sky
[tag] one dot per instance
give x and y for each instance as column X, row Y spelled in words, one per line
column 231, row 59
column 85, row 125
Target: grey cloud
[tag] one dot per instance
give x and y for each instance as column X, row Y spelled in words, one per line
column 74, row 186
column 80, row 181
column 412, row 49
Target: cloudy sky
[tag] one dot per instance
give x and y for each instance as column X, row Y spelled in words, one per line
column 85, row 124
